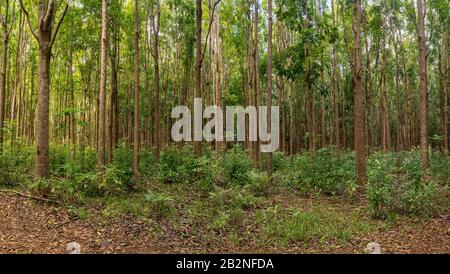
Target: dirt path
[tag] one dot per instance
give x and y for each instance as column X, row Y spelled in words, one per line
column 30, row 227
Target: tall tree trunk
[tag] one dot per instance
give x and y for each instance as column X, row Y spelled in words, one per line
column 155, row 24
column 6, row 33
column 114, row 97
column 269, row 82
column 215, row 56
column 72, row 127
column 198, row 65
column 102, row 96
column 47, row 32
column 444, row 79
column 359, row 105
column 257, row 96
column 335, row 87
column 136, row 132
column 423, row 67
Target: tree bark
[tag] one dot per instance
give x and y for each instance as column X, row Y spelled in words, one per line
column 423, row 67
column 155, row 24
column 136, row 131
column 46, row 37
column 102, row 95
column 198, row 65
column 359, row 105
column 269, row 82
column 5, row 37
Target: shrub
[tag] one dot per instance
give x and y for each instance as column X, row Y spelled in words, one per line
column 160, row 205
column 176, row 165
column 121, row 168
column 233, row 218
column 147, row 165
column 440, row 167
column 205, row 173
column 59, row 156
column 380, row 184
column 259, row 183
column 235, row 166
column 395, row 186
column 411, row 165
column 423, row 199
column 233, row 198
column 16, row 165
column 88, row 184
column 326, row 171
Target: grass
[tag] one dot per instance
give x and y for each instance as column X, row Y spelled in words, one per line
column 226, row 199
column 321, row 225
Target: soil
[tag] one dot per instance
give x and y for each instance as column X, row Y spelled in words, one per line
column 29, row 226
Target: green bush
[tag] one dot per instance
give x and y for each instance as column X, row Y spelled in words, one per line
column 59, row 157
column 233, row 218
column 259, row 183
column 16, row 165
column 160, row 205
column 147, row 165
column 176, row 165
column 395, row 186
column 205, row 173
column 326, row 171
column 236, row 167
column 380, row 184
column 411, row 165
column 440, row 167
column 233, row 198
column 121, row 169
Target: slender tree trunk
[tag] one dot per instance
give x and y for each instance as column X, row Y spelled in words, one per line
column 45, row 40
column 269, row 82
column 136, row 131
column 423, row 67
column 155, row 24
column 198, row 64
column 359, row 105
column 73, row 125
column 6, row 34
column 257, row 95
column 102, row 96
column 335, row 87
column 3, row 87
column 444, row 79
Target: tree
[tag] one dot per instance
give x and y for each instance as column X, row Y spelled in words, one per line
column 257, row 95
column 155, row 20
column 136, row 131
column 114, row 119
column 198, row 66
column 102, row 94
column 359, row 134
column 45, row 36
column 6, row 31
column 269, row 81
column 423, row 73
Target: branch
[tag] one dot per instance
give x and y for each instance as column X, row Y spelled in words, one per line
column 28, row 20
column 49, row 13
column 59, row 25
column 30, row 196
column 2, row 19
column 65, row 223
column 209, row 29
column 12, row 21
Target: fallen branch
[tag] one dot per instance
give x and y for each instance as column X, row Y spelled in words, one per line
column 65, row 223
column 30, row 196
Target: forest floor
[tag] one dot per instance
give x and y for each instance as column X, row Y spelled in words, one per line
column 29, row 226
